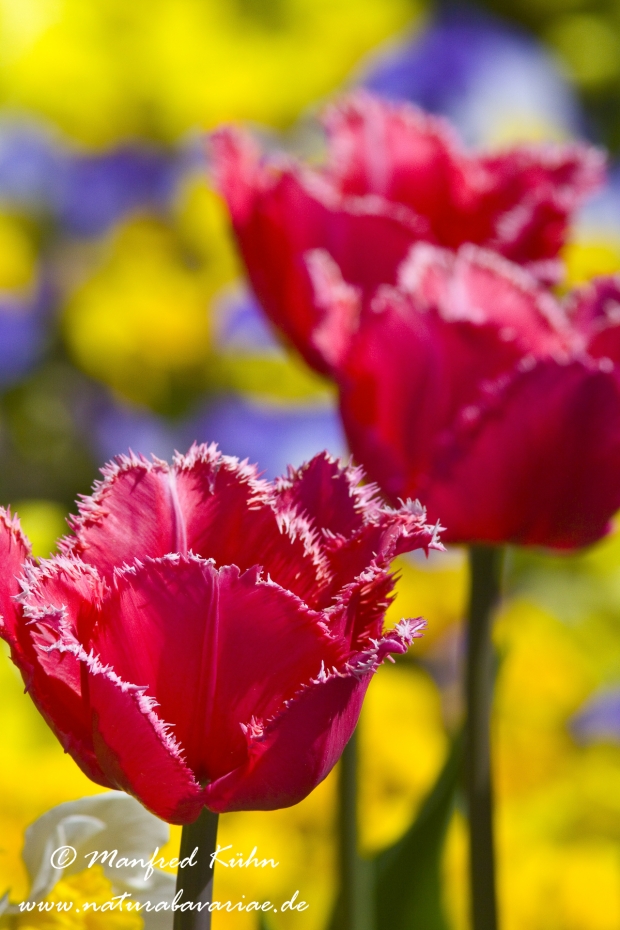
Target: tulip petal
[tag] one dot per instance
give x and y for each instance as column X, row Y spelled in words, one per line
column 217, row 648
column 394, row 177
column 356, row 529
column 518, row 202
column 534, row 190
column 135, row 749
column 14, row 554
column 301, row 746
column 285, row 212
column 480, row 286
column 400, row 153
column 207, row 503
column 299, row 752
column 131, row 513
column 540, row 467
column 408, row 376
column 595, row 312
column 395, row 531
column 356, row 613
column 61, row 596
column 233, row 518
column 330, row 495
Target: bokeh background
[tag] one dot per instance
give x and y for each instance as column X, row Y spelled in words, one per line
column 125, row 323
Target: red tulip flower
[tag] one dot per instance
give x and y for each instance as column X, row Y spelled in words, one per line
column 393, row 176
column 206, row 638
column 469, row 385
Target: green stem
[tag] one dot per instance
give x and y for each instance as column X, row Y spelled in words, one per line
column 356, row 904
column 485, row 565
column 195, row 879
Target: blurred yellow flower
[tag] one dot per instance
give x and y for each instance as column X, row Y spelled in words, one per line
column 202, row 223
column 402, row 748
column 141, row 322
column 17, row 255
column 107, row 69
column 68, row 913
column 588, row 47
column 435, row 590
column 586, row 258
column 34, row 776
column 43, row 522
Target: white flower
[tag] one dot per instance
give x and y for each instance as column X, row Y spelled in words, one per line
column 110, row 821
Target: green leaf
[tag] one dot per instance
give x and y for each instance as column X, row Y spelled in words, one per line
column 408, row 875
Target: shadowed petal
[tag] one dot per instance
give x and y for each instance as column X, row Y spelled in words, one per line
column 408, row 376
column 62, row 597
column 303, row 744
column 540, row 467
column 132, row 743
column 297, row 754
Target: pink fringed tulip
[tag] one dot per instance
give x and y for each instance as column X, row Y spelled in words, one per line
column 469, row 385
column 206, row 638
column 393, row 176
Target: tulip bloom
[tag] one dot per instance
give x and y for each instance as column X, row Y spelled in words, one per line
column 469, row 385
column 206, row 638
column 393, row 176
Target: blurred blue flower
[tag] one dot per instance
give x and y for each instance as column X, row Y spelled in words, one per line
column 271, row 436
column 30, row 166
column 241, row 325
column 599, row 718
column 85, row 192
column 487, row 77
column 95, row 191
column 23, row 332
column 600, row 217
column 114, row 428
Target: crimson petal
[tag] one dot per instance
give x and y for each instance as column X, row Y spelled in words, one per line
column 205, row 502
column 60, row 598
column 132, row 512
column 517, row 202
column 280, row 212
column 14, row 555
column 134, row 746
column 541, row 466
column 217, row 648
column 301, row 746
column 407, row 378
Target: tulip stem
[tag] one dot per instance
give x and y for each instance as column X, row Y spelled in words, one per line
column 355, row 903
column 195, row 878
column 485, row 566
